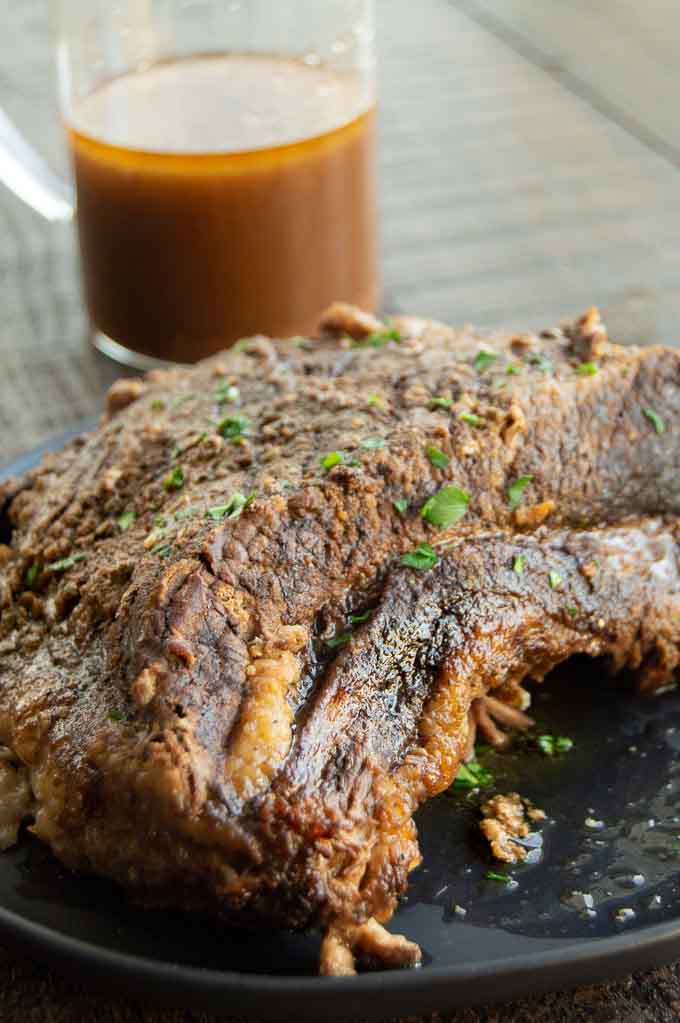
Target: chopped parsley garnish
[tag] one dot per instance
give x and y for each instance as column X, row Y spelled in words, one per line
column 117, row 715
column 233, row 427
column 175, row 479
column 441, row 402
column 125, row 520
column 571, row 611
column 516, row 490
column 375, row 401
column 586, row 369
column 157, row 405
column 470, row 418
column 446, row 507
column 332, row 459
column 338, row 641
column 555, row 580
column 378, row 339
column 655, row 419
column 512, row 370
column 401, row 505
column 422, row 558
column 160, row 521
column 65, row 563
column 553, row 745
column 519, row 564
column 32, row 574
column 472, row 776
column 483, row 360
column 438, row 459
column 232, row 509
column 227, row 394
column 491, row 875
column 541, row 362
column 358, row 619
column 373, row 443
column 162, row 550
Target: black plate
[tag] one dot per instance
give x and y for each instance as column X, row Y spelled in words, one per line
column 512, row 941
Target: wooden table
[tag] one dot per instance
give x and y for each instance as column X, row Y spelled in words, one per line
column 530, row 158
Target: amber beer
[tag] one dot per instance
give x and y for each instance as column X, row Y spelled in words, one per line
column 223, row 196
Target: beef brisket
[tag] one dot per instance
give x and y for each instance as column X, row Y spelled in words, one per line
column 245, row 630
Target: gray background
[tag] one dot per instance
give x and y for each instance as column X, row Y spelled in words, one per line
column 529, row 158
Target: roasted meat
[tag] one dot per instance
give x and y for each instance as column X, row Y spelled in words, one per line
column 257, row 617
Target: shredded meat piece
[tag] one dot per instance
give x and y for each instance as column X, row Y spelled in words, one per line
column 371, row 941
column 504, row 821
column 485, row 715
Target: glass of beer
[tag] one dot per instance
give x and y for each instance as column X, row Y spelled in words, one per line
column 223, row 154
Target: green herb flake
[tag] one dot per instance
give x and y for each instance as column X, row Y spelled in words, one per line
column 519, row 564
column 227, row 394
column 470, row 418
column 439, row 402
column 512, row 370
column 338, row 641
column 175, row 479
column 586, row 369
column 162, row 550
column 157, row 405
column 491, row 875
column 358, row 619
column 483, row 360
column 232, row 509
column 572, row 611
column 541, row 362
column 401, row 505
column 233, row 427
column 333, row 458
column 32, row 574
column 516, row 490
column 376, row 401
column 373, row 443
column 472, row 776
column 378, row 339
column 125, row 520
column 555, row 580
column 553, row 745
column 117, row 715
column 438, row 459
column 446, row 507
column 184, row 513
column 65, row 563
column 655, row 419
column 422, row 558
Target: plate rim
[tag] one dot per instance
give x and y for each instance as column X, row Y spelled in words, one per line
column 581, row 961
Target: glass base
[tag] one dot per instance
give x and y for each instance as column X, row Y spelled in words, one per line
column 126, row 356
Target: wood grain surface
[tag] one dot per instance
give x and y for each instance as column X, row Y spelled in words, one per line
column 529, row 156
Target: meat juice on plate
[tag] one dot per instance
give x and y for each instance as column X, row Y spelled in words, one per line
column 222, row 196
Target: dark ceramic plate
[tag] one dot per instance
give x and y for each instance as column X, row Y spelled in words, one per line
column 622, row 778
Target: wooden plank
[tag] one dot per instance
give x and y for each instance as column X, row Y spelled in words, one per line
column 621, row 54
column 515, row 201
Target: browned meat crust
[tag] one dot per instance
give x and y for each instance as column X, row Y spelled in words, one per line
column 165, row 675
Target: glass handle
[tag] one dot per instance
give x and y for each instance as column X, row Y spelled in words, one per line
column 26, row 174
